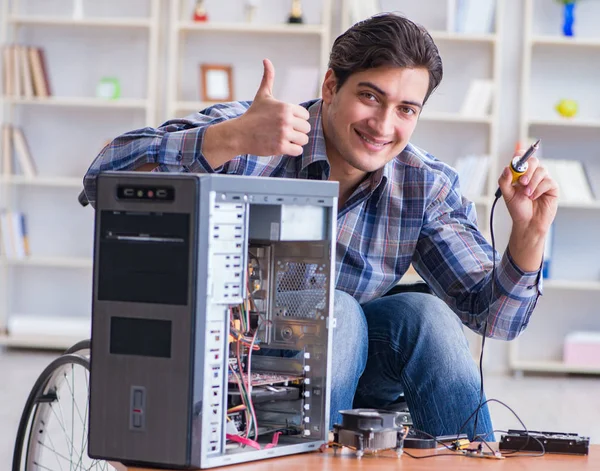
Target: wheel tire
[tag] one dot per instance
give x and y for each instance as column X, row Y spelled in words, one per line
column 33, row 415
column 79, row 347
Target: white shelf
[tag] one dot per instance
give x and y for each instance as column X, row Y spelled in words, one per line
column 565, row 41
column 566, row 204
column 51, row 262
column 463, row 37
column 441, row 116
column 88, row 22
column 566, row 122
column 571, row 285
column 553, row 367
column 283, row 28
column 82, row 102
column 49, row 342
column 59, row 182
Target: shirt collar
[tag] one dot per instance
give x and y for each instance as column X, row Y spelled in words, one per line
column 315, row 150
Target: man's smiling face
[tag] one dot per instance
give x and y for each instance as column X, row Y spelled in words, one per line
column 371, row 117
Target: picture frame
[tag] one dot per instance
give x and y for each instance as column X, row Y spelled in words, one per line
column 216, row 82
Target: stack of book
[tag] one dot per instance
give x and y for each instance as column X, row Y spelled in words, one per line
column 471, row 16
column 572, row 180
column 14, row 144
column 25, row 72
column 14, row 242
column 472, row 173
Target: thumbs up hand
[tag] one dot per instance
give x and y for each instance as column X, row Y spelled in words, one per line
column 272, row 127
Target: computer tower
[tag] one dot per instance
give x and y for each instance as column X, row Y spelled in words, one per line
column 212, row 318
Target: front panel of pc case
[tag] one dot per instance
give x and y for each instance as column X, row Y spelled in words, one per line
column 212, row 318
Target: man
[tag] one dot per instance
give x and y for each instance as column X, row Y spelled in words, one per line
column 397, row 205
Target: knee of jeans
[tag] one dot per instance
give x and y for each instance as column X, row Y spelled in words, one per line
column 419, row 314
column 351, row 326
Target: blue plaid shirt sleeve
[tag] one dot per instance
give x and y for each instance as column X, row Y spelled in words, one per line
column 456, row 261
column 176, row 146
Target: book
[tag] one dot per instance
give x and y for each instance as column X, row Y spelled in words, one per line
column 16, row 70
column 451, row 16
column 478, row 99
column 6, row 243
column 11, row 226
column 475, row 16
column 7, row 151
column 8, row 73
column 26, row 162
column 39, row 72
column 26, row 78
column 547, row 259
column 472, row 172
column 572, row 180
column 24, row 235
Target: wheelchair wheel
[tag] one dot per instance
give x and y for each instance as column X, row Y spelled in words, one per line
column 53, row 431
column 81, row 348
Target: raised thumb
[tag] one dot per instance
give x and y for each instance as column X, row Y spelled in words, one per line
column 265, row 90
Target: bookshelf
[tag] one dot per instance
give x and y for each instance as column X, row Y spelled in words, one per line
column 52, row 286
column 556, row 67
column 244, row 44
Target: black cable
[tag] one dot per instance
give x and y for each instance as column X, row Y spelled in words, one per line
column 432, row 455
column 481, row 404
column 506, row 454
column 486, row 319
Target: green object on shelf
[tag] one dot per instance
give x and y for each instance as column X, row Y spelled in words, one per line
column 109, row 88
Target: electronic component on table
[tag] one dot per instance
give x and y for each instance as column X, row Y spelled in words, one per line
column 370, row 431
column 552, row 442
column 419, row 440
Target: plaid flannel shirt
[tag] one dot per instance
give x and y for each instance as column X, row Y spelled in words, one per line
column 411, row 210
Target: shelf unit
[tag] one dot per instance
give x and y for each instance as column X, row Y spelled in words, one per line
column 20, row 22
column 183, row 31
column 554, row 67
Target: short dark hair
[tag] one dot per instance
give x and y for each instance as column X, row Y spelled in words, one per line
column 387, row 39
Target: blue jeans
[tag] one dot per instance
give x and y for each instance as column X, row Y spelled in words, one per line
column 409, row 343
